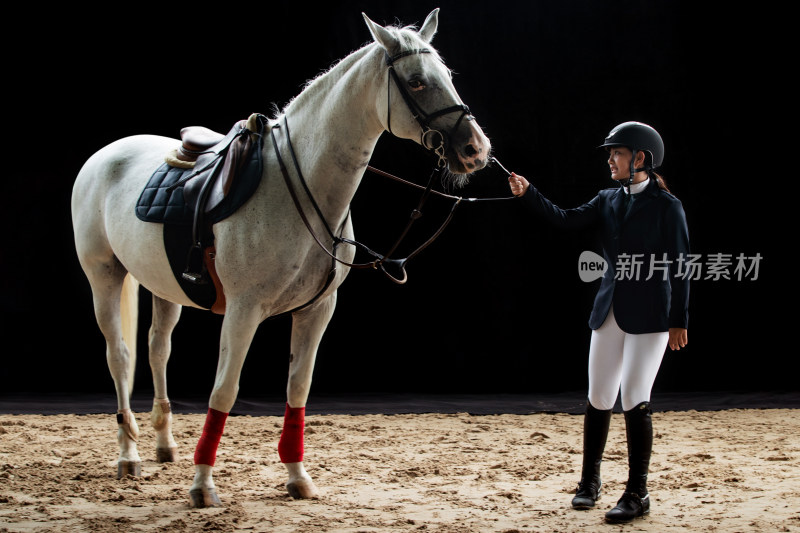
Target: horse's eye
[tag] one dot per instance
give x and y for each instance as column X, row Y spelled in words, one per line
column 416, row 84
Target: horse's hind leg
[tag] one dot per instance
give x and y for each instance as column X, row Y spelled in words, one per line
column 165, row 318
column 115, row 296
column 308, row 327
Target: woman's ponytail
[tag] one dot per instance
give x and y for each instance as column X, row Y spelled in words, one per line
column 661, row 183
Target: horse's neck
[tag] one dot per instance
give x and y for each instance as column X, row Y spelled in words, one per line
column 334, row 127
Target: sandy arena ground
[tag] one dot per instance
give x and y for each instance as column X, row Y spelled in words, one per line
column 733, row 471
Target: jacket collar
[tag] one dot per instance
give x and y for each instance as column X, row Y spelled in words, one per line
column 619, row 198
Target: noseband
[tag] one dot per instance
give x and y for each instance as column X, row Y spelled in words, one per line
column 427, row 139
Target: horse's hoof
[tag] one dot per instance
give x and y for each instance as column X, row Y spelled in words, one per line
column 129, row 468
column 202, row 498
column 302, row 489
column 166, row 455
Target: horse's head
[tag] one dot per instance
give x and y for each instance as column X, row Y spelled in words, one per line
column 421, row 102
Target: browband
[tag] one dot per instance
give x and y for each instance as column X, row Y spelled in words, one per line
column 391, row 59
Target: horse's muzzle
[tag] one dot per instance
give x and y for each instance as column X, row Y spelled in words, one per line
column 470, row 154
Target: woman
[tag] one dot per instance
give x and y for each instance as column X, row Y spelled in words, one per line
column 637, row 311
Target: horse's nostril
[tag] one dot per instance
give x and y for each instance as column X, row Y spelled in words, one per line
column 470, row 150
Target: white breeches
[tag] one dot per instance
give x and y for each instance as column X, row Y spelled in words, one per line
column 623, row 362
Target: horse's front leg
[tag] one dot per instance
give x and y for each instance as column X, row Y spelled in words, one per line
column 165, row 318
column 238, row 327
column 308, row 327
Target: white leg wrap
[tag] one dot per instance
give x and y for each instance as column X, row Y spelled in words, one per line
column 160, row 415
column 127, row 424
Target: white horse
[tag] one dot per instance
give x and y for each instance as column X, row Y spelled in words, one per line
column 267, row 261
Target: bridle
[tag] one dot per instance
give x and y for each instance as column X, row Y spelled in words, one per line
column 428, row 136
column 382, row 260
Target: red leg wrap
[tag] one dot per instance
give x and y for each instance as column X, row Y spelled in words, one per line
column 290, row 447
column 206, row 451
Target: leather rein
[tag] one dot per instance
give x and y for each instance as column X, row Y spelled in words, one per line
column 424, row 120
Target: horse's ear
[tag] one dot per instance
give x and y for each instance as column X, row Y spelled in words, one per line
column 429, row 27
column 381, row 35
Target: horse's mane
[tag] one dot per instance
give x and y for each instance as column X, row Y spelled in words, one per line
column 406, row 35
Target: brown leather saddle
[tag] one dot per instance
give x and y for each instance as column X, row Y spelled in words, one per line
column 216, row 160
column 203, row 181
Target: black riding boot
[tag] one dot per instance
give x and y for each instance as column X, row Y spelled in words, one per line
column 595, row 432
column 635, row 502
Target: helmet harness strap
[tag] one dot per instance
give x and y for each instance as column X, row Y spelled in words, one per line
column 633, row 170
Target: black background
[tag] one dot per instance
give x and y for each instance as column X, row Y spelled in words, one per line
column 496, row 304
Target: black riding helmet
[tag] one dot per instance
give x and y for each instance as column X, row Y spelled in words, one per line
column 637, row 136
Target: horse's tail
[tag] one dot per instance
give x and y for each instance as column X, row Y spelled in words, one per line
column 129, row 314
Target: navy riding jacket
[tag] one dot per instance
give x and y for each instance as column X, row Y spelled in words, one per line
column 651, row 241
